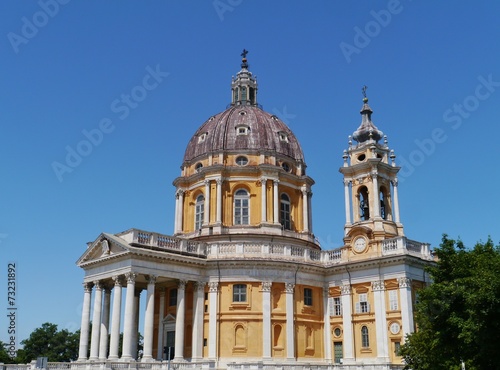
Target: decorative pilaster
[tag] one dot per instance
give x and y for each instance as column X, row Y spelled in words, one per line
column 212, row 320
column 96, row 319
column 290, row 313
column 218, row 218
column 406, row 305
column 305, row 210
column 103, row 341
column 129, row 316
column 378, row 288
column 266, row 319
column 276, row 202
column 206, row 214
column 149, row 319
column 84, row 327
column 327, row 329
column 115, row 319
column 159, row 350
column 198, row 301
column 263, row 206
column 179, row 321
column 345, row 291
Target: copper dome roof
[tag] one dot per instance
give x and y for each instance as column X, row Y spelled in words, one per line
column 244, row 128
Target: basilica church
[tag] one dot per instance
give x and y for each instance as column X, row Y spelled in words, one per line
column 243, row 283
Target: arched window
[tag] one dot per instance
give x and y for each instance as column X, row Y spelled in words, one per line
column 241, row 207
column 285, row 212
column 235, row 95
column 383, row 202
column 243, row 93
column 364, row 204
column 199, row 212
column 365, row 338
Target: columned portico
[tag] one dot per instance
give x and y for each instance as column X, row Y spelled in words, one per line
column 179, row 321
column 149, row 319
column 96, row 319
column 290, row 314
column 115, row 318
column 84, row 328
column 128, row 326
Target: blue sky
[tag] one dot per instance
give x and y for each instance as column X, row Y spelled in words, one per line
column 433, row 82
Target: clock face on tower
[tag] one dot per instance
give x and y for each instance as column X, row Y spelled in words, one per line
column 359, row 244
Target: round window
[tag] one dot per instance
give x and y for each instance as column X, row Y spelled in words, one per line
column 198, row 166
column 337, row 332
column 394, row 328
column 241, row 161
column 361, row 157
column 286, row 166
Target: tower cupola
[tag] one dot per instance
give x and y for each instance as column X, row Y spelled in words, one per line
column 244, row 85
column 367, row 130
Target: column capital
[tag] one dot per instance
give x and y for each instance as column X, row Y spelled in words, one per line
column 98, row 285
column 266, row 286
column 347, row 182
column 404, row 282
column 206, row 182
column 219, row 181
column 118, row 280
column 345, row 289
column 87, row 287
column 378, row 285
column 289, row 287
column 200, row 285
column 130, row 276
column 394, row 182
column 151, row 279
column 214, row 286
column 276, row 182
column 179, row 193
column 263, row 180
column 182, row 284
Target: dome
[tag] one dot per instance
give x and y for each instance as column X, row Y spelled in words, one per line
column 244, row 128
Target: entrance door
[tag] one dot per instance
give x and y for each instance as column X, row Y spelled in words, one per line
column 338, row 352
column 170, row 345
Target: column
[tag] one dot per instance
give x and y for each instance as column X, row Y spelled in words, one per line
column 149, row 319
column 128, row 325
column 276, row 202
column 115, row 318
column 263, row 195
column 327, row 329
column 309, row 207
column 179, row 321
column 396, row 200
column 206, row 213
column 266, row 320
column 212, row 320
column 305, row 210
column 406, row 305
column 135, row 331
column 96, row 319
column 176, row 219
column 219, row 202
column 84, row 327
column 159, row 354
column 179, row 210
column 347, row 323
column 347, row 202
column 103, row 340
column 378, row 288
column 198, row 303
column 376, row 196
column 290, row 329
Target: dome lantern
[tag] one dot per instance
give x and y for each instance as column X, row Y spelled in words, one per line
column 244, row 85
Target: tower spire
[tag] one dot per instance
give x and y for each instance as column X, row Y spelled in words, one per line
column 367, row 130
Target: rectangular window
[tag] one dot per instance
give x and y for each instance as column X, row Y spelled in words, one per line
column 393, row 300
column 239, row 293
column 338, row 352
column 337, row 306
column 172, row 297
column 363, row 306
column 308, row 296
column 397, row 348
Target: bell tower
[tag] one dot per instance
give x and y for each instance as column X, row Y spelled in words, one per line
column 370, row 184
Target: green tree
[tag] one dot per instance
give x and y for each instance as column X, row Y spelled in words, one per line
column 457, row 315
column 47, row 341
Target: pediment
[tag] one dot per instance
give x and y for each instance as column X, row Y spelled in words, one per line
column 104, row 247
